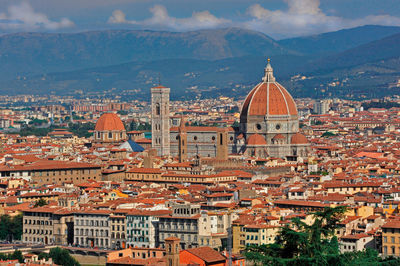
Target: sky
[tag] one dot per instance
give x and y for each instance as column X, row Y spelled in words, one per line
column 276, row 18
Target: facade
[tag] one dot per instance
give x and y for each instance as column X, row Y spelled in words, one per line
column 142, row 228
column 118, row 227
column 47, row 226
column 92, row 228
column 53, row 172
column 182, row 223
column 160, row 120
column 109, row 129
column 321, row 107
column 391, row 238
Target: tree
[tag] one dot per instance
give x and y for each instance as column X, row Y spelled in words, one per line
column 40, row 203
column 62, row 257
column 301, row 244
column 16, row 255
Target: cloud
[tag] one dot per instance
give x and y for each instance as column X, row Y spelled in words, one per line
column 23, row 16
column 161, row 18
column 305, row 17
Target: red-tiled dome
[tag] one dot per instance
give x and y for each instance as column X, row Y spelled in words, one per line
column 109, row 122
column 298, row 139
column 278, row 136
column 256, row 139
column 268, row 98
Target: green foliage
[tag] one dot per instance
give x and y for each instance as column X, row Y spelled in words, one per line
column 379, row 104
column 81, row 129
column 301, row 244
column 140, row 126
column 16, row 255
column 38, row 122
column 11, row 227
column 31, row 130
column 62, row 257
column 328, row 134
column 40, row 203
column 122, row 112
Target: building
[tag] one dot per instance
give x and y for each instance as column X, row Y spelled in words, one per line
column 142, row 228
column 47, row 225
column 182, row 223
column 356, row 242
column 160, row 120
column 117, row 228
column 52, row 172
column 321, row 107
column 92, row 228
column 391, row 238
column 269, row 127
column 109, row 129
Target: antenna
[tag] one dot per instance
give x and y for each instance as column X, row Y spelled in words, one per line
column 159, row 79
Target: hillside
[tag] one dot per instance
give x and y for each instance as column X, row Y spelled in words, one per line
column 338, row 41
column 33, row 53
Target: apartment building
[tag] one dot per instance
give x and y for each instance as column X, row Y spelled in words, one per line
column 182, row 223
column 92, row 228
column 48, row 225
column 142, row 227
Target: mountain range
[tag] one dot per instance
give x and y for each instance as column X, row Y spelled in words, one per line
column 362, row 61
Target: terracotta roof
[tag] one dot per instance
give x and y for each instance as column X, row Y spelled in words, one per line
column 269, row 98
column 109, row 122
column 207, row 254
column 256, row 139
column 298, row 138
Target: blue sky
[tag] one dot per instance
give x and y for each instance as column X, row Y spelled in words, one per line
column 276, row 18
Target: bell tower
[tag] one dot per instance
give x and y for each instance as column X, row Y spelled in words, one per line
column 160, row 139
column 172, row 251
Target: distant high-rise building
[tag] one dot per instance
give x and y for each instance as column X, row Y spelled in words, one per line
column 321, row 107
column 160, row 120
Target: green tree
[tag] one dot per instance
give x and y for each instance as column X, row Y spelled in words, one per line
column 40, row 203
column 62, row 257
column 17, row 226
column 301, row 244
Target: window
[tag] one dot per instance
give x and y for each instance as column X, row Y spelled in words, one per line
column 110, row 135
column 393, row 240
column 385, row 239
column 158, row 111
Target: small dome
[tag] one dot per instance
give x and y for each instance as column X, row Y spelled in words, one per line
column 109, row 122
column 299, row 139
column 278, row 136
column 256, row 139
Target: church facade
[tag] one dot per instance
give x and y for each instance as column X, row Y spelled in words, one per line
column 269, row 127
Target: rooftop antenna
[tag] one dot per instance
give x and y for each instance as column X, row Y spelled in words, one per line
column 159, row 79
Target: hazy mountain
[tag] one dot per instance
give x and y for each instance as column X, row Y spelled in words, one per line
column 338, row 41
column 206, row 63
column 26, row 53
column 385, row 48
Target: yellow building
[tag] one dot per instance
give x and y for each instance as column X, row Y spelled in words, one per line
column 391, row 238
column 260, row 234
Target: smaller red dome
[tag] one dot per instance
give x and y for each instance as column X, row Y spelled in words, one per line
column 256, row 139
column 278, row 136
column 109, row 122
column 298, row 139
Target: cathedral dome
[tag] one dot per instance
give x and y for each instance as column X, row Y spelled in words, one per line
column 268, row 98
column 299, row 138
column 109, row 122
column 256, row 139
